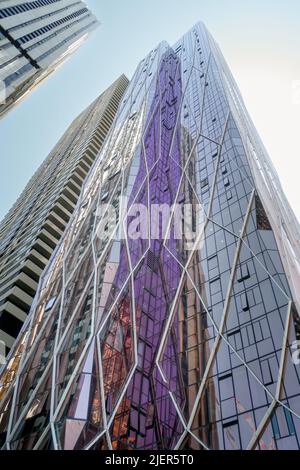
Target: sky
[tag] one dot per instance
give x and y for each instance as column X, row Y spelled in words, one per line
column 259, row 39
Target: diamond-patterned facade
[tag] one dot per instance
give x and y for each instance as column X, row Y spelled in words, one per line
column 142, row 343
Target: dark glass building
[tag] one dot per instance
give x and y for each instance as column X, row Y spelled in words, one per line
column 162, row 342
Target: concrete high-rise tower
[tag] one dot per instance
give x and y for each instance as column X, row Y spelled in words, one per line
column 139, row 338
column 36, row 37
column 33, row 227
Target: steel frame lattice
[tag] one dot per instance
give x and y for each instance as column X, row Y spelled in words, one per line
column 144, row 344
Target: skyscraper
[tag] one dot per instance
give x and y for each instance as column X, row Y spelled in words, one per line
column 35, row 39
column 33, row 227
column 140, row 339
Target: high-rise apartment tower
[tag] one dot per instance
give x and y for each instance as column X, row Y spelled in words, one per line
column 36, row 37
column 140, row 339
column 33, row 227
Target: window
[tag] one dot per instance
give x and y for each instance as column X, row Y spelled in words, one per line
column 226, row 387
column 215, row 286
column 266, row 373
column 235, row 339
column 50, row 304
column 229, row 195
column 60, row 44
column 5, row 12
column 14, row 76
column 282, row 423
column 269, row 369
column 231, row 435
column 204, row 183
column 212, row 263
column 213, row 267
column 105, row 196
column 244, row 304
column 243, row 273
column 224, row 170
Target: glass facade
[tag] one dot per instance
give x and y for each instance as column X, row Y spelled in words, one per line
column 35, row 38
column 33, row 227
column 148, row 343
